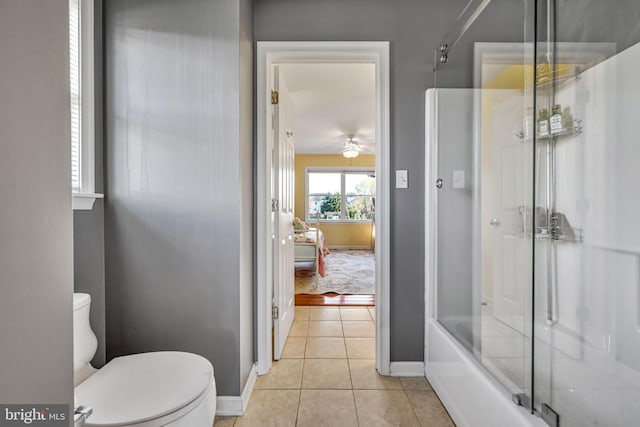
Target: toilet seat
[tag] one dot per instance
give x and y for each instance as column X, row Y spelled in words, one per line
column 146, row 389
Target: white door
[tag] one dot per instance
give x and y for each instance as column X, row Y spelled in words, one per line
column 511, row 251
column 282, row 175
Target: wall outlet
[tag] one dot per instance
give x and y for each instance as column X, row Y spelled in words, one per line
column 402, row 179
column 458, row 179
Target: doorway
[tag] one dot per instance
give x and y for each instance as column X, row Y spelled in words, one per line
column 269, row 55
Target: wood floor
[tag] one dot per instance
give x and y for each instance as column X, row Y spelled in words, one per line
column 335, row 299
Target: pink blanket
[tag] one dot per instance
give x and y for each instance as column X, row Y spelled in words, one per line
column 321, row 264
column 323, row 250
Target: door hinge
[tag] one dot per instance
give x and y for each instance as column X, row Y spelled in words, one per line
column 274, row 205
column 275, row 312
column 274, row 97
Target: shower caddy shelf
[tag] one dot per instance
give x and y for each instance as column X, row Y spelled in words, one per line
column 558, row 81
column 571, row 235
column 572, row 127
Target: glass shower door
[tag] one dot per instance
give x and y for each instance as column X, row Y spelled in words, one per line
column 485, row 143
column 538, row 243
column 587, row 238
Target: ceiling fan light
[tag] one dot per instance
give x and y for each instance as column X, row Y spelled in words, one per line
column 350, row 153
column 351, row 149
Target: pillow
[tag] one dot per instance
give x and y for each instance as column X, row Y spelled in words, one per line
column 300, row 225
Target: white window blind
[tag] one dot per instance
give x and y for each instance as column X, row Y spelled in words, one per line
column 76, row 99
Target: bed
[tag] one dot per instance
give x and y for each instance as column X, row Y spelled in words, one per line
column 310, row 246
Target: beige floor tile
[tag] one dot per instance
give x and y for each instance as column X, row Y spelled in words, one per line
column 384, row 408
column 361, row 348
column 271, row 408
column 284, row 374
column 325, row 348
column 324, row 313
column 428, row 409
column 326, row 374
column 415, row 383
column 351, row 313
column 224, row 421
column 365, row 377
column 359, row 328
column 299, row 328
column 330, row 408
column 294, row 348
column 325, row 328
column 302, row 313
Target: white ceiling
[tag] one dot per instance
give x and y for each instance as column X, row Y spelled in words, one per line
column 331, row 102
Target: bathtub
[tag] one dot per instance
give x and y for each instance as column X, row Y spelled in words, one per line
column 472, row 397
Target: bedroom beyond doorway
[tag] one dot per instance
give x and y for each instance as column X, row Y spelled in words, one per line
column 292, row 114
column 347, row 271
column 332, row 125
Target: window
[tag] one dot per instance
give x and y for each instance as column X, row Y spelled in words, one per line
column 340, row 195
column 81, row 69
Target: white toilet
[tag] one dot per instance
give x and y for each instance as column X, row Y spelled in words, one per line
column 165, row 388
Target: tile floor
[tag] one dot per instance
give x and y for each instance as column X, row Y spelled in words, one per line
column 326, row 377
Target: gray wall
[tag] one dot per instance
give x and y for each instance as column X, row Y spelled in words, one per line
column 36, row 264
column 178, row 181
column 414, row 28
column 598, row 21
column 88, row 226
column 88, row 267
column 246, row 189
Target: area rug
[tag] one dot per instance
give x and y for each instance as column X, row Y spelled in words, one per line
column 347, row 272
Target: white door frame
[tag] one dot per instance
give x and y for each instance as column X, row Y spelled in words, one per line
column 269, row 53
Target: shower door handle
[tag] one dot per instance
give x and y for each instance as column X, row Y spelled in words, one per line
column 495, row 222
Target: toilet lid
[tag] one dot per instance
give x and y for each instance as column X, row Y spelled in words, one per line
column 141, row 387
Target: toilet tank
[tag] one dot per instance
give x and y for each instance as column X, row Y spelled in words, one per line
column 85, row 342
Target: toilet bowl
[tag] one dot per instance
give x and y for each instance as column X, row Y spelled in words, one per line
column 165, row 388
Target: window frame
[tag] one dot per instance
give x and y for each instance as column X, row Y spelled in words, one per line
column 83, row 198
column 343, row 211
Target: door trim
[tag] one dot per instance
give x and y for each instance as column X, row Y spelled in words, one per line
column 269, row 53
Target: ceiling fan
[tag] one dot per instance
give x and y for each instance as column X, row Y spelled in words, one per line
column 351, row 149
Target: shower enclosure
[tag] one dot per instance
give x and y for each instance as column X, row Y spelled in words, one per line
column 532, row 207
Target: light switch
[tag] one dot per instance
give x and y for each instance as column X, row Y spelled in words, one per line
column 458, row 179
column 402, row 179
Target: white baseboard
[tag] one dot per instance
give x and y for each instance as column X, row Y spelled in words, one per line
column 237, row 405
column 406, row 369
column 227, row 406
column 248, row 387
